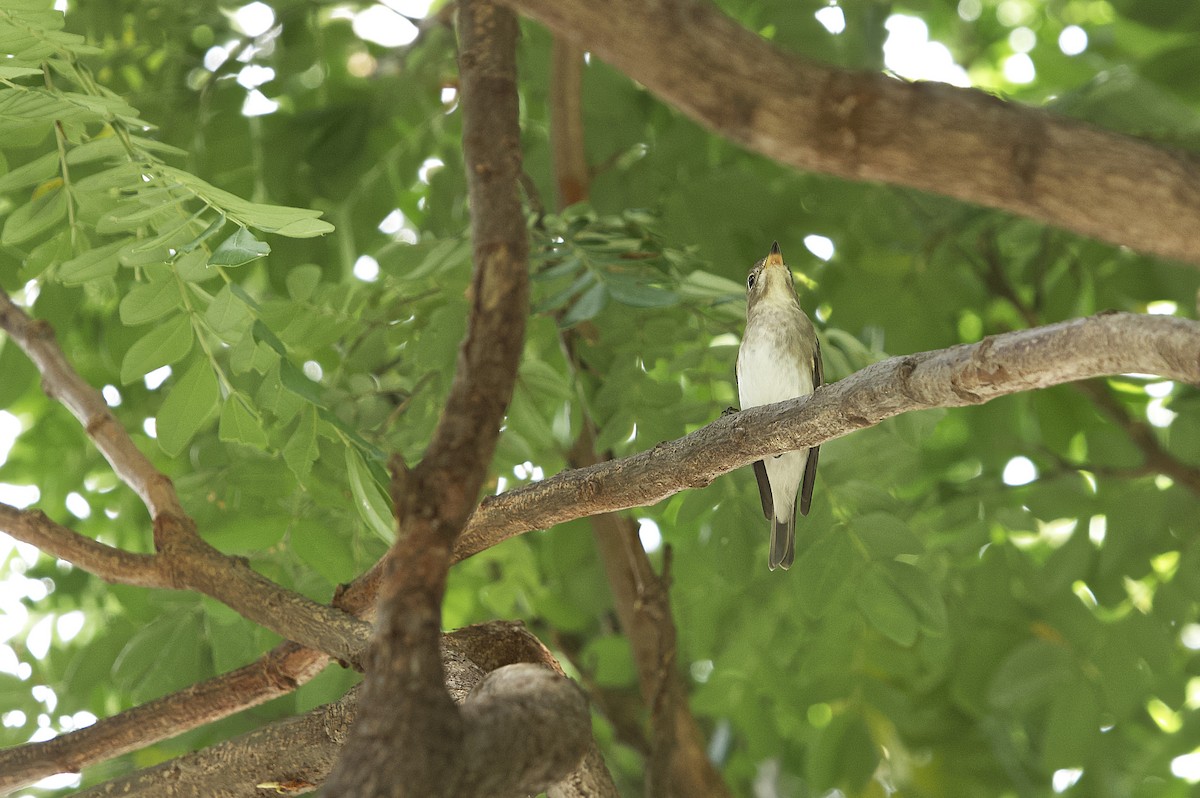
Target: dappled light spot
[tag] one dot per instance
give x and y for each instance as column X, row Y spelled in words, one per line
column 366, row 269
column 701, row 670
column 156, row 378
column 820, row 246
column 70, row 624
column 383, row 26
column 1019, row 471
column 910, row 53
column 832, row 18
column 650, row 535
column 10, row 428
column 1187, row 766
column 969, row 10
column 427, row 168
column 1022, row 39
column 77, row 505
column 19, row 496
column 254, row 19
column 258, row 104
column 312, row 369
column 1065, row 778
column 1018, row 68
column 1073, row 40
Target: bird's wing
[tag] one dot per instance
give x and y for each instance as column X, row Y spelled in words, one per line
column 810, row 468
column 764, row 488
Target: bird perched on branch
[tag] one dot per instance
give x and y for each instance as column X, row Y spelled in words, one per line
column 779, row 359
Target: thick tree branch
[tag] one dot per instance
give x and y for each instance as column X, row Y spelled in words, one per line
column 866, row 126
column 488, row 670
column 406, row 707
column 1096, row 346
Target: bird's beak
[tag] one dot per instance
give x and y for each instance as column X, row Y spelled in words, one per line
column 775, row 258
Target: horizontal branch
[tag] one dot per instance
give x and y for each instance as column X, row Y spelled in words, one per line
column 107, row 562
column 956, row 142
column 530, row 710
column 275, row 674
column 968, row 374
column 189, row 563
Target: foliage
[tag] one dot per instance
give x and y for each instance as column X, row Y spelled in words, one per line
column 943, row 632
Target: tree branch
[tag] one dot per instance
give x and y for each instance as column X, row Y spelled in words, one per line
column 61, row 382
column 1096, row 346
column 488, row 669
column 107, row 562
column 183, row 560
column 406, row 706
column 866, row 126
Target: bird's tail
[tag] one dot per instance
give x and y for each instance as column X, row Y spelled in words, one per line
column 783, row 543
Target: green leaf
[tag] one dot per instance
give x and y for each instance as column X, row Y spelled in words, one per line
column 247, row 533
column 94, row 264
column 1030, row 676
column 823, row 568
column 240, row 248
column 274, row 398
column 920, row 591
column 149, row 301
column 19, row 372
column 640, row 295
column 227, row 315
column 36, row 217
column 587, row 306
column 189, row 406
column 302, row 281
column 293, row 222
column 162, row 346
column 1072, row 727
column 369, row 500
column 885, row 535
column 301, row 449
column 12, row 72
column 193, row 267
column 885, row 609
column 239, row 424
column 32, row 173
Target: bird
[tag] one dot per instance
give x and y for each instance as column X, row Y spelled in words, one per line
column 779, row 359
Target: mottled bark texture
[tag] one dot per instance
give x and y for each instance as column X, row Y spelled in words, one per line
column 961, row 143
column 1105, row 344
column 405, row 704
column 521, row 711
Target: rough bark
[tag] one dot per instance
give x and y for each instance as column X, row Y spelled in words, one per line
column 406, row 707
column 968, row 374
column 522, row 709
column 961, row 143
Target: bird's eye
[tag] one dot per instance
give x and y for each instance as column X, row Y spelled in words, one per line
column 750, row 280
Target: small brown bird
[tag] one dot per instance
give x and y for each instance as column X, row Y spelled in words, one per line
column 779, row 359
